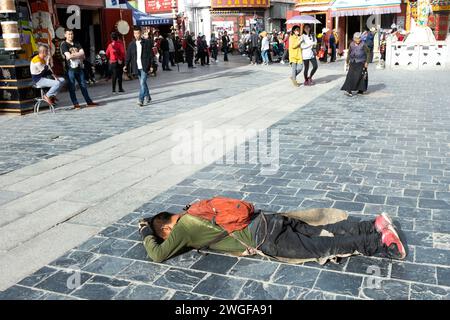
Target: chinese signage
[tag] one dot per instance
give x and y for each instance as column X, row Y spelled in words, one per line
column 240, row 3
column 158, row 6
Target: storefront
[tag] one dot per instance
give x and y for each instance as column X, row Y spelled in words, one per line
column 237, row 16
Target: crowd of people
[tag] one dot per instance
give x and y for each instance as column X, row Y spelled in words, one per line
column 299, row 47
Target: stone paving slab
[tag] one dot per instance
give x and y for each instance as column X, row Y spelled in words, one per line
column 382, row 151
column 109, row 171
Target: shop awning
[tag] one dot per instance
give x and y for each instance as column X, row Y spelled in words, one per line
column 143, row 19
column 364, row 7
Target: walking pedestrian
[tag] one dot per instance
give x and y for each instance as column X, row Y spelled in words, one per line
column 286, row 48
column 357, row 63
column 190, row 48
column 165, row 50
column 295, row 54
column 265, row 47
column 172, row 49
column 116, row 55
column 213, row 43
column 332, row 45
column 308, row 46
column 253, row 47
column 139, row 59
column 74, row 56
column 225, row 45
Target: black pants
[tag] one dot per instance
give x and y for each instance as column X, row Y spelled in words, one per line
column 314, row 69
column 333, row 53
column 253, row 54
column 225, row 53
column 172, row 58
column 292, row 238
column 165, row 61
column 116, row 70
column 190, row 58
column 214, row 53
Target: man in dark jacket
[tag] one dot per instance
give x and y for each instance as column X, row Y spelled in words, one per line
column 190, row 47
column 165, row 49
column 253, row 45
column 139, row 59
column 226, row 42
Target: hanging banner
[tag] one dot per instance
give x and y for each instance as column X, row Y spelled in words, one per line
column 158, row 6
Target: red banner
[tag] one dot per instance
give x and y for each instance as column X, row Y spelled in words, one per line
column 158, row 6
column 240, row 3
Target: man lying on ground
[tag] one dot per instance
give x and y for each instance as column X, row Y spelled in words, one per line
column 234, row 226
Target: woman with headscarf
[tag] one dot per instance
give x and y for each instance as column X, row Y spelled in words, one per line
column 357, row 63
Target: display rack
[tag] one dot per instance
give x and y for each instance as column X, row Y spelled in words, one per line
column 16, row 88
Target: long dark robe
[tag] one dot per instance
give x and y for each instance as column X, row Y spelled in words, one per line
column 355, row 78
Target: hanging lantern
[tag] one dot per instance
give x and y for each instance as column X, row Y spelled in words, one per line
column 7, row 6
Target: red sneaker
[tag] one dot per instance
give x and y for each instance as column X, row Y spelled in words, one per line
column 394, row 246
column 383, row 221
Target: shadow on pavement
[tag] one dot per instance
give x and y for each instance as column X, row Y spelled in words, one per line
column 328, row 78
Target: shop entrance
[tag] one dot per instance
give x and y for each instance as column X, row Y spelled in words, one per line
column 353, row 25
column 89, row 36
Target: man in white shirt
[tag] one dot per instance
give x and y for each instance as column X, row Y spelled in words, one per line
column 139, row 59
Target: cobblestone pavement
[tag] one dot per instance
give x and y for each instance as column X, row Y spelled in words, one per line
column 28, row 139
column 385, row 151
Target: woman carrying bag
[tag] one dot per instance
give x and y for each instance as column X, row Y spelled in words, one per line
column 357, row 64
column 116, row 56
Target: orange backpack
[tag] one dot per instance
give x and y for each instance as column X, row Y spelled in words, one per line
column 230, row 214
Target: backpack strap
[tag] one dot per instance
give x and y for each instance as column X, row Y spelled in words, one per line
column 217, row 239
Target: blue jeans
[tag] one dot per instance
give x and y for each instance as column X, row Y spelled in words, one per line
column 77, row 75
column 143, row 92
column 265, row 56
column 53, row 84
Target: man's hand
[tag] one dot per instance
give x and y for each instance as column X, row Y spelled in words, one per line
column 144, row 228
column 366, row 65
column 151, row 70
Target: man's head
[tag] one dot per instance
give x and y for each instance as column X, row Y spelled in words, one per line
column 137, row 33
column 68, row 34
column 225, row 33
column 114, row 36
column 163, row 223
column 43, row 51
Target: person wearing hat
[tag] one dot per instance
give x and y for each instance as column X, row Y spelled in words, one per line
column 357, row 62
column 295, row 54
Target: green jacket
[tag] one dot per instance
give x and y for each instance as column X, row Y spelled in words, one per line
column 194, row 232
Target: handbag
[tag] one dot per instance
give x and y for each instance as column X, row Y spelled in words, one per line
column 365, row 74
column 321, row 53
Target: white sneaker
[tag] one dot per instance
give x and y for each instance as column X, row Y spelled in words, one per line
column 282, row 62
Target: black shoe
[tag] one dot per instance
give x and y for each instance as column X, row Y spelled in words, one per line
column 168, row 69
column 360, row 92
column 121, row 91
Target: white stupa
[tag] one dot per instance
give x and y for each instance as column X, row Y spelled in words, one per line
column 420, row 35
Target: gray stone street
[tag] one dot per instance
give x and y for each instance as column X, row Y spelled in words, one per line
column 73, row 184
